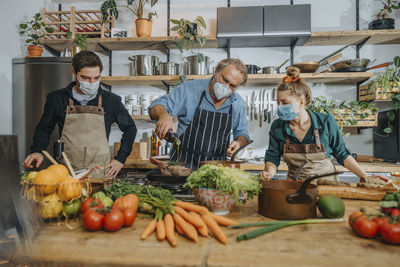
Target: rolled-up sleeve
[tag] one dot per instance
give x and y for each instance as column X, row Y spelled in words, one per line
column 274, row 152
column 336, row 142
column 240, row 124
column 173, row 102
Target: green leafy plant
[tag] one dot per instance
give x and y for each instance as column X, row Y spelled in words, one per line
column 354, row 111
column 190, row 33
column 388, row 6
column 34, row 30
column 390, row 116
column 109, row 8
column 79, row 40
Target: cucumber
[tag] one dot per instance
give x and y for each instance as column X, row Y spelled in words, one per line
column 331, row 206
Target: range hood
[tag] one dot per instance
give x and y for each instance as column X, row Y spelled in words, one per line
column 263, row 26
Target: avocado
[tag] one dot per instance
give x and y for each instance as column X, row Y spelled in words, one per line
column 331, row 206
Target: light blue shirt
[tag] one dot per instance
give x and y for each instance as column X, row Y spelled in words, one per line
column 184, row 99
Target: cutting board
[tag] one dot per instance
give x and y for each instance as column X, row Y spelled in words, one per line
column 352, row 192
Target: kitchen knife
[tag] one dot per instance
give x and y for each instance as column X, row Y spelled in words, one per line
column 260, row 110
column 247, row 106
column 255, row 108
column 270, row 113
column 273, row 100
column 266, row 107
column 252, row 105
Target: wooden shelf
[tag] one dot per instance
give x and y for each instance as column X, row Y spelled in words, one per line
column 145, row 118
column 161, row 42
column 337, row 78
column 354, row 37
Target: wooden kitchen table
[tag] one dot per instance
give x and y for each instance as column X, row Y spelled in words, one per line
column 301, row 245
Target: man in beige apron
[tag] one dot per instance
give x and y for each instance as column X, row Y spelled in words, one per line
column 84, row 113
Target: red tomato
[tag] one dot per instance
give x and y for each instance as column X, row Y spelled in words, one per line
column 92, row 204
column 353, row 217
column 93, row 220
column 365, row 227
column 380, row 220
column 395, row 212
column 387, row 210
column 390, row 232
column 114, row 220
column 129, row 216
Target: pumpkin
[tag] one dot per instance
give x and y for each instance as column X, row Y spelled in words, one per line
column 128, row 201
column 69, row 188
column 46, row 181
column 50, row 206
column 61, row 170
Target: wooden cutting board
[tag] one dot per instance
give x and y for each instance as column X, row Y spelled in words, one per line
column 352, row 192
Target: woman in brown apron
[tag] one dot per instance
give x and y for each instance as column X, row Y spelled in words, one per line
column 305, row 138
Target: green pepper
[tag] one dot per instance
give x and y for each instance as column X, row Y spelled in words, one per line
column 99, row 195
column 107, row 202
column 72, row 209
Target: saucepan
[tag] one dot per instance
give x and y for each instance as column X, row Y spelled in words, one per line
column 252, row 69
column 289, row 200
column 274, row 69
column 357, row 65
column 228, row 163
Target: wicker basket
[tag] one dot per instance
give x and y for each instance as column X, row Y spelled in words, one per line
column 83, row 22
column 98, row 184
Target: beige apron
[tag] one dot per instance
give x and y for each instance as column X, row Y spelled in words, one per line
column 84, row 137
column 314, row 155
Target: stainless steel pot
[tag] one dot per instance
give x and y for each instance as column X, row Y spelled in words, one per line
column 144, row 65
column 274, row 69
column 195, row 67
column 169, row 68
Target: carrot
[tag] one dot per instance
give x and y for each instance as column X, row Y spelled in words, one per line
column 189, row 231
column 179, row 229
column 215, row 229
column 149, row 229
column 221, row 220
column 203, row 230
column 193, row 220
column 169, row 229
column 191, row 207
column 160, row 230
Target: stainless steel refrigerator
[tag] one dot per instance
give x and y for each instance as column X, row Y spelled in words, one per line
column 33, row 79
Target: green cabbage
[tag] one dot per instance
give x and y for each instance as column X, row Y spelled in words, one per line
column 227, row 180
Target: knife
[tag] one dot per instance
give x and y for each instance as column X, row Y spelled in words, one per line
column 273, row 99
column 266, row 109
column 252, row 105
column 260, row 107
column 247, row 106
column 270, row 113
column 255, row 107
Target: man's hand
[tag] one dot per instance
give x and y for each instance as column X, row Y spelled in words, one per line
column 115, row 166
column 164, row 124
column 235, row 145
column 266, row 176
column 38, row 157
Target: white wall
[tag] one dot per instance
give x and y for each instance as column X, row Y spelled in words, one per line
column 326, row 16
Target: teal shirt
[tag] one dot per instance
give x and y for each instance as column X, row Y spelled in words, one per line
column 329, row 133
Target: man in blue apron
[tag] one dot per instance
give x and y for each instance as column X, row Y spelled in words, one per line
column 84, row 113
column 207, row 110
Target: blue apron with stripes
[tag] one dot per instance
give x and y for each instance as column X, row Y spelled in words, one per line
column 206, row 138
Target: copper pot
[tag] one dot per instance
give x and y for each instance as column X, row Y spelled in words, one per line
column 289, row 200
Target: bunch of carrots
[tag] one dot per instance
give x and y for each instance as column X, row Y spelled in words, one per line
column 187, row 219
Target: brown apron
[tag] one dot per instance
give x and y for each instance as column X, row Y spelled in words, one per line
column 84, row 137
column 314, row 155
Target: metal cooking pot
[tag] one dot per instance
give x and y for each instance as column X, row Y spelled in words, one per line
column 228, row 163
column 274, row 69
column 146, row 65
column 169, row 68
column 252, row 69
column 289, row 200
column 195, row 67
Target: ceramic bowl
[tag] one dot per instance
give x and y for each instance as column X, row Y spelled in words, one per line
column 218, row 203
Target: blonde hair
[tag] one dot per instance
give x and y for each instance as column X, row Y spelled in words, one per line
column 237, row 64
column 293, row 83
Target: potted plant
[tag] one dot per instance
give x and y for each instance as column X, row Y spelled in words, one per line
column 382, row 20
column 33, row 31
column 347, row 113
column 79, row 43
column 143, row 24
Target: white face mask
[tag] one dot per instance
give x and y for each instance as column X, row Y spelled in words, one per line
column 89, row 88
column 221, row 90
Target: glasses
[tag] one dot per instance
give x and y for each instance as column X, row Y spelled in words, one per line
column 250, row 150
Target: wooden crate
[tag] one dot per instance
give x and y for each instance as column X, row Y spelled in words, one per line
column 83, row 22
column 342, row 114
column 138, row 154
column 365, row 94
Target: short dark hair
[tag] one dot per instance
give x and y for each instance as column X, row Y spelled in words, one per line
column 86, row 59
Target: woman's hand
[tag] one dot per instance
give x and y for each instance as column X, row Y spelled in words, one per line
column 383, row 178
column 114, row 167
column 266, row 176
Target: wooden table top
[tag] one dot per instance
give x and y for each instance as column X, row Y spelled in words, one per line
column 302, row 245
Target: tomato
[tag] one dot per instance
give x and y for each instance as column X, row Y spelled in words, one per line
column 128, row 201
column 93, row 220
column 353, row 217
column 395, row 212
column 114, row 220
column 92, row 204
column 380, row 220
column 365, row 227
column 390, row 232
column 129, row 216
column 387, row 210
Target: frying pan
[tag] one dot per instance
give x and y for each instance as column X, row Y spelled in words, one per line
column 360, row 68
column 227, row 163
column 312, row 66
column 289, row 200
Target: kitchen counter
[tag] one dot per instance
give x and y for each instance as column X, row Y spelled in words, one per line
column 368, row 167
column 302, row 245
